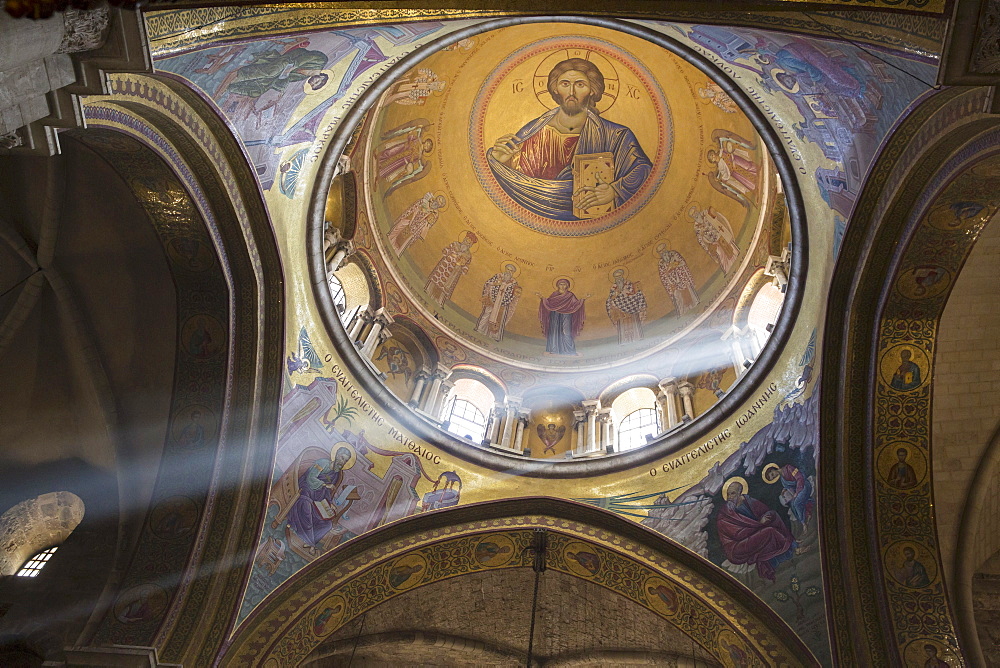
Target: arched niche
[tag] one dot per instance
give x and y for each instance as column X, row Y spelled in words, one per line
column 581, row 542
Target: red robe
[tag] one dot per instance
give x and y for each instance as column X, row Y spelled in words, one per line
column 747, row 540
column 546, row 153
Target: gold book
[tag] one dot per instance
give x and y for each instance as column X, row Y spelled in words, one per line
column 590, row 169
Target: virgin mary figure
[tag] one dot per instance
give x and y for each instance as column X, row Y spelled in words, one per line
column 561, row 315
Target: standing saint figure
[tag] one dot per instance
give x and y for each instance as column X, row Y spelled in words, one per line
column 735, row 171
column 403, row 156
column 453, row 265
column 626, row 307
column 677, row 279
column 713, row 92
column 535, row 165
column 715, row 235
column 414, row 89
column 751, row 533
column 413, row 223
column 561, row 315
column 500, row 296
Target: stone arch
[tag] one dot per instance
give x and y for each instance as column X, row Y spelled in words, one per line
column 612, row 391
column 189, row 172
column 37, row 524
column 579, row 540
column 495, row 385
column 374, row 283
column 944, row 153
column 753, row 286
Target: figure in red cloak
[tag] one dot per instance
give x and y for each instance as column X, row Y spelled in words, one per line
column 752, row 533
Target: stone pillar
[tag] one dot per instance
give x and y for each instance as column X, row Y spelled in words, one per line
column 420, row 378
column 668, row 403
column 361, row 319
column 496, row 424
column 331, row 237
column 432, row 398
column 510, row 422
column 340, row 253
column 739, row 356
column 580, row 425
column 591, row 407
column 751, row 343
column 607, row 426
column 687, row 398
column 442, row 402
column 777, row 266
column 380, row 321
column 522, row 421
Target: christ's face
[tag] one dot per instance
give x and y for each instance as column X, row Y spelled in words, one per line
column 573, row 91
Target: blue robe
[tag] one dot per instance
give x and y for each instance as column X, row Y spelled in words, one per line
column 554, row 199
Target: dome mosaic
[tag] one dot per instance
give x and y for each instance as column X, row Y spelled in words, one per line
column 562, row 212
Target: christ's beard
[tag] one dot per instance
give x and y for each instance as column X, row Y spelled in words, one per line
column 572, row 106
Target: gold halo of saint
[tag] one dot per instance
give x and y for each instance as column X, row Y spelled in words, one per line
column 910, row 564
column 407, row 571
column 507, row 265
column 614, row 273
column 329, row 614
column 582, row 559
column 661, row 596
column 924, row 281
column 558, row 279
column 730, row 481
column 930, row 652
column 494, row 551
column 785, row 81
column 768, row 477
column 732, row 650
column 902, row 465
column 336, row 451
column 904, row 367
column 140, row 604
column 318, row 82
column 604, row 64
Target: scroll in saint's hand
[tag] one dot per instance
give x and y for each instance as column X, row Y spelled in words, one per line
column 589, row 170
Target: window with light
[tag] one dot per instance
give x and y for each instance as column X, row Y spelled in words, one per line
column 636, row 426
column 339, row 297
column 34, row 565
column 467, row 421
